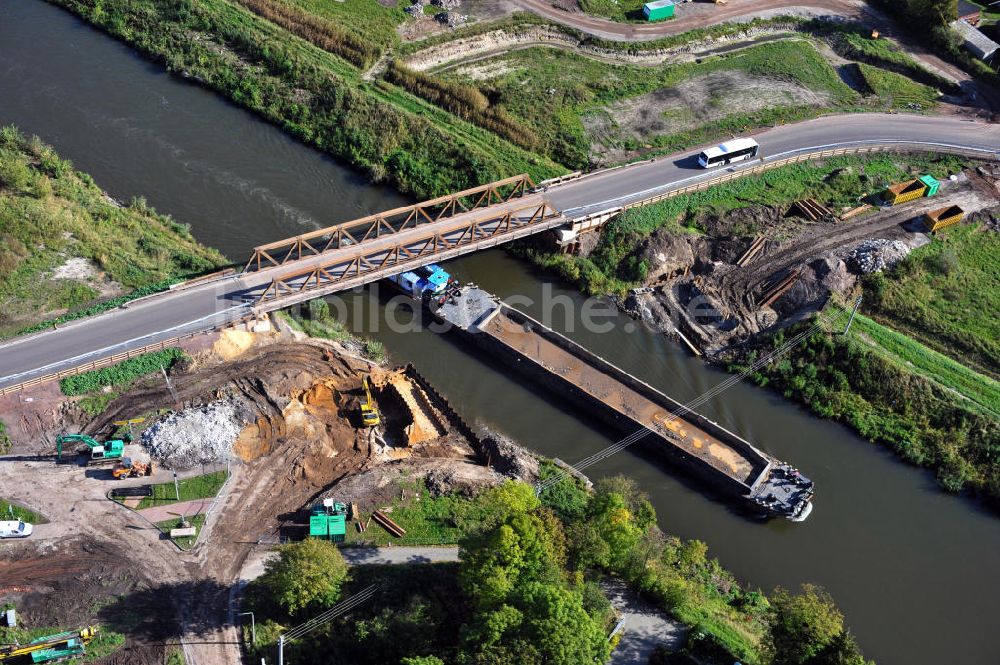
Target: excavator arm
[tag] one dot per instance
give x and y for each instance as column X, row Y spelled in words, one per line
column 62, row 645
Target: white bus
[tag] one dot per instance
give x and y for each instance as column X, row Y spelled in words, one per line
column 730, row 151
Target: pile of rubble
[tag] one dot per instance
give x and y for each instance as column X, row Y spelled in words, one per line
column 201, row 435
column 875, row 255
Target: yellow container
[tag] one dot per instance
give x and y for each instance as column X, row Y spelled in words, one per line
column 935, row 220
column 905, row 191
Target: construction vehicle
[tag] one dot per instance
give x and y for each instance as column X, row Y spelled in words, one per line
column 49, row 648
column 369, row 411
column 328, row 521
column 129, row 468
column 110, row 450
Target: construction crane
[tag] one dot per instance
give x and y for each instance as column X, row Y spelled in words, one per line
column 369, row 411
column 112, row 449
column 49, row 648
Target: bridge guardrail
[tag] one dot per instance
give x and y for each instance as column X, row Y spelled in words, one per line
column 111, row 360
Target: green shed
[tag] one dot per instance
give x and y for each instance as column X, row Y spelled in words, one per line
column 658, row 10
column 932, row 184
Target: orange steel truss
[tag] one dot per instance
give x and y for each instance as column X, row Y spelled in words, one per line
column 367, row 264
column 358, row 231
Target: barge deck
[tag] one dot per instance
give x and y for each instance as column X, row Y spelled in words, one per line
column 703, row 447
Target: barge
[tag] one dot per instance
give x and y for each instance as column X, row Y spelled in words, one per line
column 700, row 446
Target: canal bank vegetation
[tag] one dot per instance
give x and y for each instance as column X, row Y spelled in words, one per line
column 67, row 249
column 528, row 591
column 930, row 410
column 317, row 95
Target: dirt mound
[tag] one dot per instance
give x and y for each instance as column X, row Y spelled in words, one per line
column 507, row 457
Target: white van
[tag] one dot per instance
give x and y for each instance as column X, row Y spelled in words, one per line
column 15, row 529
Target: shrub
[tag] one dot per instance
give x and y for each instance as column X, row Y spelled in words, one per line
column 121, row 374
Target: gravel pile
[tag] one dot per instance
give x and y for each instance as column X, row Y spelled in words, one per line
column 201, row 435
column 875, row 255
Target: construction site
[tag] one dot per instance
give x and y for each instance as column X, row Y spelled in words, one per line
column 291, row 418
column 717, row 289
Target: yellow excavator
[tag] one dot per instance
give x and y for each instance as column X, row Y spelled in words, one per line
column 369, row 411
column 49, row 648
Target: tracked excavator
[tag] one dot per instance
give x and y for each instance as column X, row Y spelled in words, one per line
column 50, row 648
column 109, row 451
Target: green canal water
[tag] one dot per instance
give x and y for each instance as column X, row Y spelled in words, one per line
column 917, row 572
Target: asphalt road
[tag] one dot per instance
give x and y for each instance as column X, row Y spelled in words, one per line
column 203, row 307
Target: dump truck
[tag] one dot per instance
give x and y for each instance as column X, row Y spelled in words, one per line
column 109, row 451
column 129, row 468
column 328, row 521
column 369, row 410
column 49, row 648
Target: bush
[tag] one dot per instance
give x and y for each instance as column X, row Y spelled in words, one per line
column 122, row 374
column 306, row 575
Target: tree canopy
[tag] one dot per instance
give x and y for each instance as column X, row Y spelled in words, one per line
column 305, row 574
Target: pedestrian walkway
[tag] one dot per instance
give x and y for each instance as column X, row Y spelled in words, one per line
column 646, row 626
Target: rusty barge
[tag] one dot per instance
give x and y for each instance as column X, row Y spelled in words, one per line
column 700, row 446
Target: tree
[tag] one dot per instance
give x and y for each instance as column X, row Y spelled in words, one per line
column 421, row 660
column 804, row 624
column 305, row 574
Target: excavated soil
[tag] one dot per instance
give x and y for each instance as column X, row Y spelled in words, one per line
column 698, row 290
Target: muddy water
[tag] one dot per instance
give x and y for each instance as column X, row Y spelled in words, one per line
column 915, row 571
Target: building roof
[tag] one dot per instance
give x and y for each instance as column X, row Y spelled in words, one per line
column 976, row 42
column 966, row 8
column 658, row 4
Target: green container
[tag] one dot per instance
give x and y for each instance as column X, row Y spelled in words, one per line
column 932, row 184
column 659, row 10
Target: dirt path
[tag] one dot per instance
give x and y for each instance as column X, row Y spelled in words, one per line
column 173, row 510
column 734, row 10
column 358, row 556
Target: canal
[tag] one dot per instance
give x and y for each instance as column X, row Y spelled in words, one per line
column 915, row 571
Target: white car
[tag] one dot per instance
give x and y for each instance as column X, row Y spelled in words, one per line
column 15, row 529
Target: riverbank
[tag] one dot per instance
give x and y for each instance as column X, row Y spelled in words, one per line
column 68, row 248
column 578, row 537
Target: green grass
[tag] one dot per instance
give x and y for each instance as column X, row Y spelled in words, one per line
column 196, row 487
column 49, row 213
column 5, row 442
column 981, row 390
column 551, row 91
column 895, row 89
column 19, row 513
column 368, row 19
column 185, row 542
column 103, row 645
column 945, row 295
column 622, row 10
column 122, row 374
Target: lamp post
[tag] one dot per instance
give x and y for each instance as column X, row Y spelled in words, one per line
column 253, row 627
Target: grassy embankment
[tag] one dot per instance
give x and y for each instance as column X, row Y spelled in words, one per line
column 501, row 531
column 311, row 85
column 580, row 104
column 98, row 387
column 50, row 214
column 945, row 295
column 613, row 268
column 10, row 511
column 102, row 646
